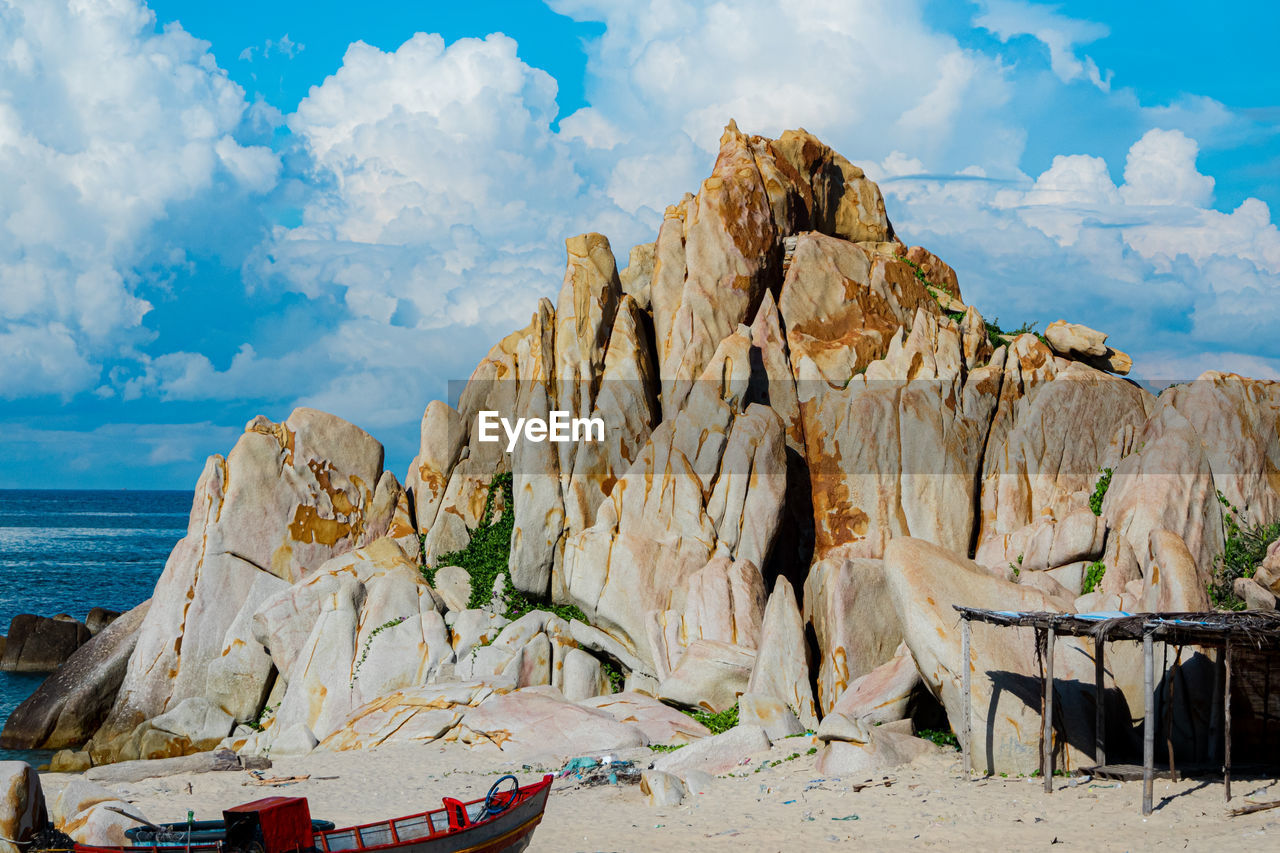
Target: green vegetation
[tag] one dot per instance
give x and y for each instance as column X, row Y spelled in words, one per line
column 940, row 737
column 1016, row 568
column 1100, row 491
column 718, row 723
column 487, row 555
column 665, row 747
column 1245, row 547
column 258, row 722
column 616, row 680
column 1092, row 577
column 994, row 332
column 364, row 653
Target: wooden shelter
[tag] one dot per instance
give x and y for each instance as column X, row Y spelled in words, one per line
column 1236, row 634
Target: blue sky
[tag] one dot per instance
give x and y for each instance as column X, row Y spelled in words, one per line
column 209, row 211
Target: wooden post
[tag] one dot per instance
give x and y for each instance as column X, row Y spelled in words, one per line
column 1149, row 722
column 1171, row 675
column 1046, row 746
column 1100, row 693
column 1226, row 717
column 966, row 727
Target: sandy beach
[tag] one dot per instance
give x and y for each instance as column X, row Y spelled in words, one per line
column 779, row 808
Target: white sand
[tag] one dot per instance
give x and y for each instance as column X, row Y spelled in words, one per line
column 785, row 808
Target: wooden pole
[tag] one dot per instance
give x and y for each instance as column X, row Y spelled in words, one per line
column 966, row 728
column 1046, row 758
column 1100, row 700
column 1226, row 718
column 1149, row 722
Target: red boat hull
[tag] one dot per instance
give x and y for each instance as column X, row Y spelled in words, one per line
column 509, row 831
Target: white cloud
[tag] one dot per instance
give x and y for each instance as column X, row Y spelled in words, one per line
column 1161, row 169
column 1009, row 19
column 870, row 77
column 104, row 125
column 1174, row 281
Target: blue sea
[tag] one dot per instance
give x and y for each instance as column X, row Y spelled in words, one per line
column 69, row 551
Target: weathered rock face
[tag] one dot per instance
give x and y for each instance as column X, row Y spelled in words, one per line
column 847, row 603
column 708, row 483
column 1166, row 482
column 288, row 497
column 924, row 582
column 893, row 452
column 1058, row 424
column 782, row 661
column 843, row 304
column 40, row 643
column 883, row 694
column 22, row 807
column 68, row 706
column 1236, row 420
column 367, row 626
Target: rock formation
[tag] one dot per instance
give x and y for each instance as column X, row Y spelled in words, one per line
column 813, row 447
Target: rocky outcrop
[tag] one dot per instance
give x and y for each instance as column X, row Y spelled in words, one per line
column 707, row 484
column 40, row 643
column 68, row 706
column 892, row 451
column 924, row 581
column 1088, row 345
column 288, row 497
column 796, row 403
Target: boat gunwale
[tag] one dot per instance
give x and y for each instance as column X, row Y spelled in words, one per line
column 526, row 794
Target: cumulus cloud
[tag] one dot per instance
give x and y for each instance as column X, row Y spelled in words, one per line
column 105, row 125
column 1177, row 282
column 872, row 75
column 444, row 190
column 1060, row 34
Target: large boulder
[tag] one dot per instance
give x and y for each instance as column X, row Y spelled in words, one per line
column 717, row 754
column 924, row 582
column 68, row 706
column 41, row 643
column 882, row 695
column 540, row 721
column 847, row 603
column 102, row 825
column 711, row 675
column 660, row 722
column 782, row 659
column 864, row 749
column 288, row 497
column 22, row 808
column 75, row 797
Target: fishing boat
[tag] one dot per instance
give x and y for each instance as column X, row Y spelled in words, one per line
column 502, row 821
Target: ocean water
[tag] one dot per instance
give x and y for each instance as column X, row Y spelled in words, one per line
column 70, row 551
